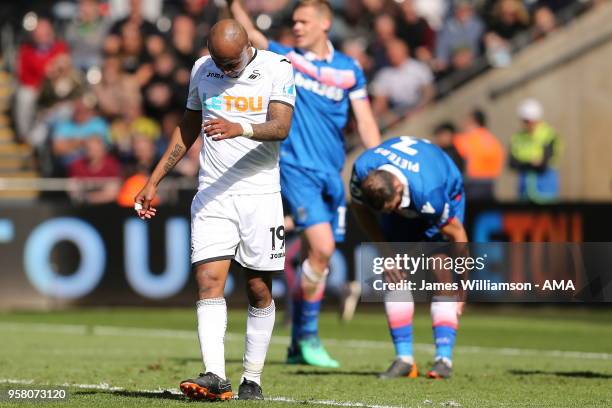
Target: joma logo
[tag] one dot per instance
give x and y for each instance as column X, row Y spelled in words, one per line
column 214, row 75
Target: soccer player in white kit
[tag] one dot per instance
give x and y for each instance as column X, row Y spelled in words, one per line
column 242, row 98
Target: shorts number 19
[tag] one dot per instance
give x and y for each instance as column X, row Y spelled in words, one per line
column 278, row 233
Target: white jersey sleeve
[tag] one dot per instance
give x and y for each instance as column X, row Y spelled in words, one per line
column 193, row 98
column 283, row 87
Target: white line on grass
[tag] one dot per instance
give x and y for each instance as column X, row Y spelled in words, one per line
column 107, row 387
column 284, row 340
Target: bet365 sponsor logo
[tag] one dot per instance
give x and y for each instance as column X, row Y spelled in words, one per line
column 233, row 103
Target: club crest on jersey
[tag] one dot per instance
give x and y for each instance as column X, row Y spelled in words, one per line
column 255, row 75
column 233, row 103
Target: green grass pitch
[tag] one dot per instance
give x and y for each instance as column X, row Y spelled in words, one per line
column 505, row 357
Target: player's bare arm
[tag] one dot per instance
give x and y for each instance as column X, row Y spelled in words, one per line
column 369, row 224
column 182, row 139
column 238, row 12
column 454, row 231
column 367, row 128
column 277, row 126
column 275, row 129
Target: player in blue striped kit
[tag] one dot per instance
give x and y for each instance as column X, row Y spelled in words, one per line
column 328, row 83
column 419, row 190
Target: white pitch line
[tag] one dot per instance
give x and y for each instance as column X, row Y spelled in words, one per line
column 328, row 402
column 356, row 344
column 173, row 391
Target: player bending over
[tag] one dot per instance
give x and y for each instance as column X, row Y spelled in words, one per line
column 327, row 82
column 242, row 98
column 419, row 190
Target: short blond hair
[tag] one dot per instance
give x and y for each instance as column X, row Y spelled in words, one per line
column 322, row 7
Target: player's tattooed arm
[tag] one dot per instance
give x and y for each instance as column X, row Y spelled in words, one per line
column 274, row 129
column 277, row 126
column 175, row 156
column 182, row 139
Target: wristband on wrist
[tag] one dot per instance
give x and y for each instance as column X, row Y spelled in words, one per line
column 247, row 129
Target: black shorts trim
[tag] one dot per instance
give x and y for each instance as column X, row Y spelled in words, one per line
column 194, row 110
column 213, row 259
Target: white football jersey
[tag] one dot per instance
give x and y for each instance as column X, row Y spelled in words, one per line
column 240, row 165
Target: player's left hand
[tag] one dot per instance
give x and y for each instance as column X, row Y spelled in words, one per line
column 220, row 129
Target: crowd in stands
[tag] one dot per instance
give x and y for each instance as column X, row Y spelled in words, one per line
column 534, row 153
column 99, row 95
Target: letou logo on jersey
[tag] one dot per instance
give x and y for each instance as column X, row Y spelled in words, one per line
column 233, row 103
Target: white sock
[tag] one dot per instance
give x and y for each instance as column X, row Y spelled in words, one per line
column 212, row 322
column 260, row 323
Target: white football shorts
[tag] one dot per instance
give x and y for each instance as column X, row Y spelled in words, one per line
column 246, row 228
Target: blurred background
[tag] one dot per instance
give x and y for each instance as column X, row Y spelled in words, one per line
column 517, row 92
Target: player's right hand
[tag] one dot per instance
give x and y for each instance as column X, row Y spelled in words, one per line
column 142, row 202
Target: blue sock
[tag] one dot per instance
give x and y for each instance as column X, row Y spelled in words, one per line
column 310, row 319
column 305, row 320
column 402, row 340
column 444, row 336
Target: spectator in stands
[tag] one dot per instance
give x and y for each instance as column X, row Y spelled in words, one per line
column 356, row 48
column 132, row 122
column 69, row 135
column 63, row 83
column 85, row 35
column 434, row 11
column 96, row 163
column 462, row 59
column 135, row 18
column 483, row 154
column 384, row 31
column 144, row 155
column 544, row 23
column 183, row 45
column 33, row 59
column 416, row 32
column 534, row 154
column 203, row 13
column 444, row 136
column 117, row 90
column 463, row 31
column 510, row 17
column 405, row 86
column 162, row 94
column 134, row 56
